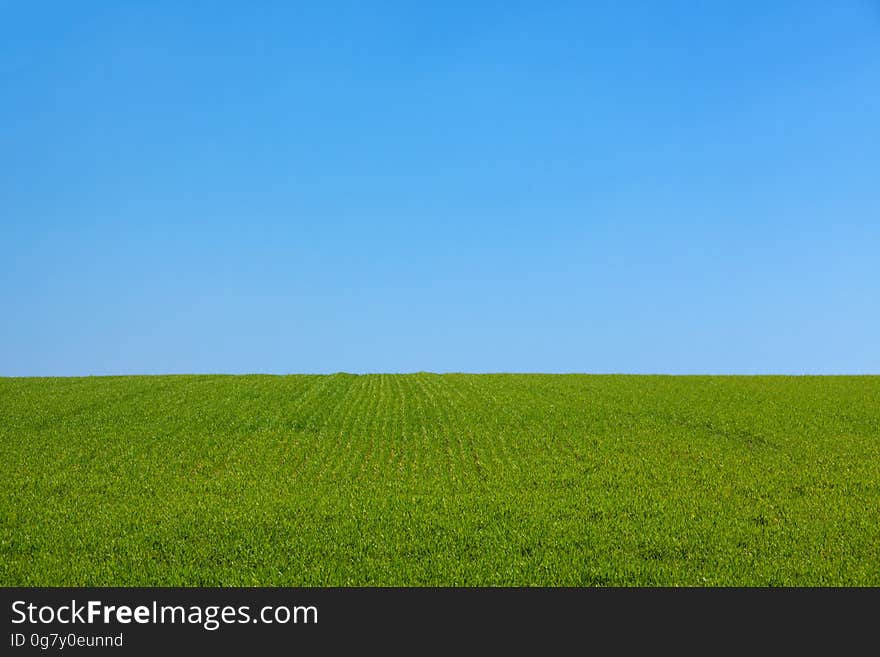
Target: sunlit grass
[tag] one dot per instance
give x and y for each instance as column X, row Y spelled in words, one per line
column 430, row 479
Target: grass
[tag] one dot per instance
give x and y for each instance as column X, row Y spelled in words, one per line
column 428, row 479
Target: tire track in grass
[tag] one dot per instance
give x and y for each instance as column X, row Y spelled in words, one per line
column 290, row 417
column 385, row 424
column 405, row 439
column 412, row 441
column 397, row 427
column 507, row 457
column 420, row 436
column 377, row 422
column 406, row 412
column 331, row 438
column 478, row 444
column 417, row 426
column 401, row 424
column 399, row 441
column 320, row 424
column 358, row 443
column 278, row 444
column 340, row 442
column 407, row 428
column 539, row 429
column 540, row 498
column 306, row 416
column 389, row 424
column 478, row 426
column 387, row 419
column 539, row 414
column 404, row 409
column 421, row 439
column 566, row 449
column 438, row 429
column 436, row 418
column 234, row 430
column 301, row 423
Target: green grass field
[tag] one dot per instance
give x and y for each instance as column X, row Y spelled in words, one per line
column 428, row 479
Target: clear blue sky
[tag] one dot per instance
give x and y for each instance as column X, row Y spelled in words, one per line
column 673, row 187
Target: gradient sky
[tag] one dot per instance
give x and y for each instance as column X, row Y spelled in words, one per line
column 669, row 187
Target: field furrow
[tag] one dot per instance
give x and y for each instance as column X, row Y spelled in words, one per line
column 397, row 479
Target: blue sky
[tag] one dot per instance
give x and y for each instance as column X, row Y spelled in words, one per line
column 277, row 187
